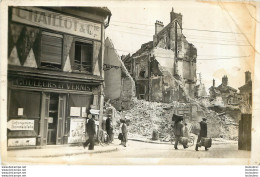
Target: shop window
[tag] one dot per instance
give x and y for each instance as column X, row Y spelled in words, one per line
column 24, row 104
column 51, row 50
column 79, row 105
column 83, row 57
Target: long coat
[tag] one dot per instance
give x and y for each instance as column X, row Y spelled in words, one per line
column 108, row 124
column 91, row 127
column 178, row 129
column 124, row 132
column 203, row 129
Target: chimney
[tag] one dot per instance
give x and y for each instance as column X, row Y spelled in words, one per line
column 248, row 76
column 225, row 80
column 213, row 82
column 158, row 26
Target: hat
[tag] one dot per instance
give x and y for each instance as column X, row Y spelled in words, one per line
column 185, row 123
column 204, row 118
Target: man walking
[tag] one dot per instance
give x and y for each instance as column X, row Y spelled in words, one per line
column 91, row 130
column 109, row 129
column 178, row 132
column 203, row 133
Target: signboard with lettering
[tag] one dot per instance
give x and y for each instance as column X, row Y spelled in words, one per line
column 20, row 124
column 77, row 130
column 21, row 142
column 51, row 84
column 56, row 21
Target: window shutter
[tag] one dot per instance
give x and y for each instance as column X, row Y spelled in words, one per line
column 51, row 48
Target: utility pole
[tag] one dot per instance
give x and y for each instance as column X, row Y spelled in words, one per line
column 199, row 77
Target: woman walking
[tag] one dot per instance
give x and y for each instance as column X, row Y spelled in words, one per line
column 124, row 132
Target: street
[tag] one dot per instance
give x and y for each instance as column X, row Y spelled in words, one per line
column 128, row 155
column 148, row 150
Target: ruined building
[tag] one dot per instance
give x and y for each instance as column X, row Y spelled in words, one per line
column 246, row 94
column 223, row 95
column 164, row 70
column 119, row 85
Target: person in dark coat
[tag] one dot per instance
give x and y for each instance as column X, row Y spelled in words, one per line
column 178, row 132
column 91, row 130
column 109, row 129
column 203, row 132
column 124, row 132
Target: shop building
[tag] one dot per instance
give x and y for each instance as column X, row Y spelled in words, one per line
column 55, row 73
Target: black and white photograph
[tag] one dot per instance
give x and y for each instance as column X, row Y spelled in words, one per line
column 130, row 83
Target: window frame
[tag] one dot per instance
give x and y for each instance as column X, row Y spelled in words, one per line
column 86, row 41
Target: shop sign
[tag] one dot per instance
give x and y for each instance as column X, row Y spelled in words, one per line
column 77, row 130
column 51, row 84
column 21, row 142
column 20, row 124
column 57, row 22
column 94, row 111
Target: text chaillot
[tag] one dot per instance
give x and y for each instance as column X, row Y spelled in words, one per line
column 55, row 21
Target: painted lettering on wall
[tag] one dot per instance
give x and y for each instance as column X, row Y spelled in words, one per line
column 51, row 84
column 55, row 21
column 20, row 124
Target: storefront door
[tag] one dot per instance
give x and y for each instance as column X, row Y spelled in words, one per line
column 52, row 118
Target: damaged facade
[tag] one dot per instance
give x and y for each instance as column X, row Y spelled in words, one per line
column 223, row 95
column 225, row 99
column 164, row 70
column 246, row 94
column 119, row 85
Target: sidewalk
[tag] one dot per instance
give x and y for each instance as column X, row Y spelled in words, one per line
column 57, row 151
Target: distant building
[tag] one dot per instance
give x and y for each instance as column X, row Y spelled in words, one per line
column 246, row 94
column 164, row 69
column 200, row 91
column 223, row 94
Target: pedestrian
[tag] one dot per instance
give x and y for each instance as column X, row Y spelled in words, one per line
column 178, row 132
column 91, row 131
column 203, row 132
column 109, row 129
column 186, row 131
column 124, row 133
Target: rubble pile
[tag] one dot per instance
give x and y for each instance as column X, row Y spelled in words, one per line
column 145, row 117
column 221, row 126
column 148, row 116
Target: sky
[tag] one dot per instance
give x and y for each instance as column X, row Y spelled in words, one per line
column 223, row 34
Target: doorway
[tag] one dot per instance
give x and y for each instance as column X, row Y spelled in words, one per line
column 52, row 119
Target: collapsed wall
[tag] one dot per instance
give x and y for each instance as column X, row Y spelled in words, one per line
column 147, row 116
column 119, row 85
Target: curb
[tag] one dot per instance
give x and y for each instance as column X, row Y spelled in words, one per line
column 148, row 141
column 78, row 153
